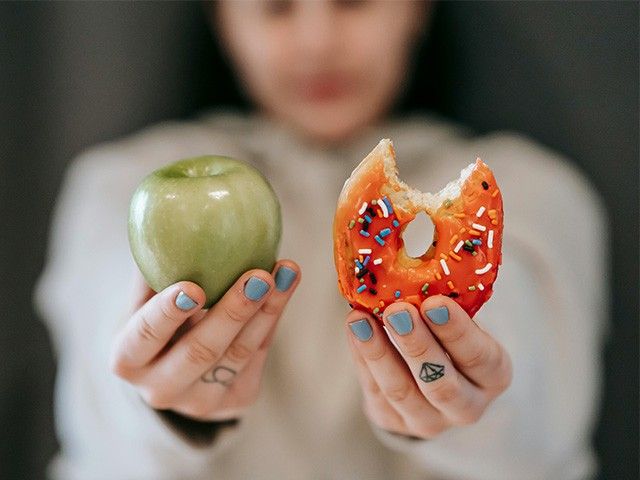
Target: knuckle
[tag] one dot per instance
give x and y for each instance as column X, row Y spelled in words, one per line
column 157, row 399
column 455, row 336
column 446, row 392
column 378, row 419
column 371, row 386
column 382, row 417
column 239, row 353
column 200, row 354
column 118, row 367
column 476, row 359
column 168, row 312
column 504, row 375
column 270, row 308
column 118, row 364
column 146, row 331
column 386, row 424
column 429, row 430
column 398, row 393
column 506, row 382
column 374, row 354
column 468, row 416
column 416, row 349
column 233, row 314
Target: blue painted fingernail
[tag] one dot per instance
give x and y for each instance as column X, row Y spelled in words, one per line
column 361, row 329
column 401, row 322
column 185, row 302
column 284, row 278
column 439, row 315
column 255, row 288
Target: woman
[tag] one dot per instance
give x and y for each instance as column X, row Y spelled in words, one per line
column 136, row 401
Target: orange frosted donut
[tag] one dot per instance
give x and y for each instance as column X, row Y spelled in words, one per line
column 374, row 207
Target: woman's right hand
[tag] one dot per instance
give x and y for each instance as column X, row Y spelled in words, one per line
column 204, row 364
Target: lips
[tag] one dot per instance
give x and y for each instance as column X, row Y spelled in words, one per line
column 325, row 87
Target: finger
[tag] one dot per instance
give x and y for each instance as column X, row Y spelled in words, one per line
column 287, row 276
column 376, row 406
column 245, row 345
column 203, row 346
column 475, row 353
column 198, row 401
column 153, row 325
column 440, row 382
column 245, row 390
column 391, row 374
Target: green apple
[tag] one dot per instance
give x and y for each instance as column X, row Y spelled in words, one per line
column 205, row 219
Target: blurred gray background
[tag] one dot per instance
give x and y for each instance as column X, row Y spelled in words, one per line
column 73, row 74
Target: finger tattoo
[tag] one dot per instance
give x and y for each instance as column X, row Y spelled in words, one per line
column 220, row 374
column 431, row 372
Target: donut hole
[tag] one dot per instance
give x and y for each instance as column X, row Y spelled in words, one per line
column 418, row 236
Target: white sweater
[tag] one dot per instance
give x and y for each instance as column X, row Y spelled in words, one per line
column 548, row 310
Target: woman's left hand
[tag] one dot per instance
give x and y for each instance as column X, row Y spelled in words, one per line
column 447, row 372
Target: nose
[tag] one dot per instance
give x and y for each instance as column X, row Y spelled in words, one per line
column 316, row 30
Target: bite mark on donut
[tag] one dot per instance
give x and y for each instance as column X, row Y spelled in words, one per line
column 383, row 205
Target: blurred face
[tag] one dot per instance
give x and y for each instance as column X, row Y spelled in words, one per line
column 325, row 68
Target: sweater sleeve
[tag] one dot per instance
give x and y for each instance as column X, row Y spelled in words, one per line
column 548, row 310
column 83, row 295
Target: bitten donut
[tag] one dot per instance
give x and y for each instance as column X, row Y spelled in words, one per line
column 375, row 206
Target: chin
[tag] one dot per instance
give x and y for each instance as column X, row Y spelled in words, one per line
column 322, row 127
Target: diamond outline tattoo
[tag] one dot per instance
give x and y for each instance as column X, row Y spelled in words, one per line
column 431, row 372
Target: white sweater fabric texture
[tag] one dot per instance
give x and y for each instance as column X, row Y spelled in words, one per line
column 548, row 310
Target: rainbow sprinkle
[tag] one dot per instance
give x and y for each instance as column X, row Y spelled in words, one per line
column 372, row 217
column 388, row 205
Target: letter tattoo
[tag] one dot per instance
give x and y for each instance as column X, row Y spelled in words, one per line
column 222, row 375
column 431, row 372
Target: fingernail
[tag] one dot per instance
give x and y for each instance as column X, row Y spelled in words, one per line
column 284, row 278
column 401, row 322
column 361, row 329
column 255, row 288
column 439, row 315
column 185, row 302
